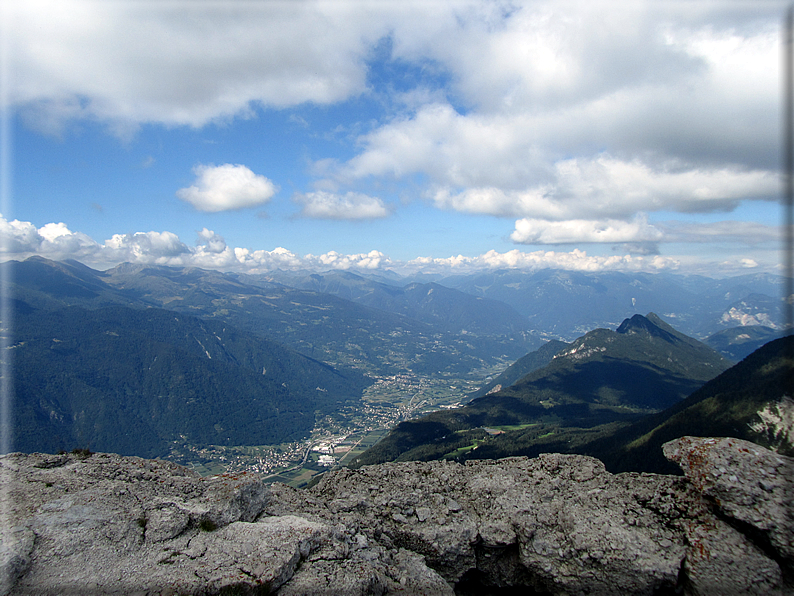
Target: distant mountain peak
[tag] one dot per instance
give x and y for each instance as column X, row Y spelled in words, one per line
column 651, row 325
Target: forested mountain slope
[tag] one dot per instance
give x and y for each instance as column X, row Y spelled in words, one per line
column 522, row 367
column 603, row 377
column 322, row 326
column 751, row 400
column 133, row 381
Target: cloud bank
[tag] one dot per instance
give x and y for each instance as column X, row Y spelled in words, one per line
column 536, row 231
column 55, row 241
column 572, row 118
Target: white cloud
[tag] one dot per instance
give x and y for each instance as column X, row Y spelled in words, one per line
column 19, row 236
column 506, row 165
column 609, row 187
column 576, row 260
column 649, row 110
column 192, row 63
column 161, row 248
column 639, row 236
column 53, row 240
column 211, row 242
column 570, row 117
column 748, row 233
column 565, row 110
column 265, row 260
column 351, row 205
column 183, row 63
column 572, row 231
column 56, row 241
column 333, row 260
column 226, row 187
column 749, row 263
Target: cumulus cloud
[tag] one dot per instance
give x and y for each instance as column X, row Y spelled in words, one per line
column 575, row 260
column 638, row 236
column 226, row 187
column 333, row 260
column 663, row 90
column 56, row 241
column 129, row 62
column 549, row 110
column 609, row 187
column 537, row 231
column 210, row 241
column 498, row 171
column 569, row 118
column 53, row 240
column 351, row 205
column 161, row 248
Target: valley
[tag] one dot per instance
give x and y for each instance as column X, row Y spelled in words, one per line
column 292, row 373
column 337, row 439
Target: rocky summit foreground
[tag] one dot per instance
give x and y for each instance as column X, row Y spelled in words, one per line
column 557, row 524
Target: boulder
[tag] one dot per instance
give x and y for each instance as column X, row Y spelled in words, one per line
column 747, row 483
column 555, row 524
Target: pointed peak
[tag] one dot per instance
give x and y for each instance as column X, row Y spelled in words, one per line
column 651, row 325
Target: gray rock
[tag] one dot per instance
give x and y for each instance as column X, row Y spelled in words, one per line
column 16, row 547
column 561, row 520
column 747, row 482
column 559, row 524
column 721, row 561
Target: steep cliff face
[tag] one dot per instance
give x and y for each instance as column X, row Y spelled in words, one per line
column 556, row 524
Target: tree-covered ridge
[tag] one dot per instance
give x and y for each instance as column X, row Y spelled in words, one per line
column 522, row 367
column 751, row 400
column 604, row 378
column 132, row 381
column 737, row 343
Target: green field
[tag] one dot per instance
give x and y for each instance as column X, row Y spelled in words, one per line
column 461, row 450
column 508, row 427
column 367, row 441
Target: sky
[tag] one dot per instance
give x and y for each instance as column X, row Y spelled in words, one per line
column 440, row 137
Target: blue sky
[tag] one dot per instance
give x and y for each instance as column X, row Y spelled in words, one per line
column 435, row 136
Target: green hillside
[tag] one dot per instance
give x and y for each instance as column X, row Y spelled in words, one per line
column 133, row 381
column 737, row 343
column 603, row 378
column 522, row 367
column 751, row 400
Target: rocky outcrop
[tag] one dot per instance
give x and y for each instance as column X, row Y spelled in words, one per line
column 556, row 524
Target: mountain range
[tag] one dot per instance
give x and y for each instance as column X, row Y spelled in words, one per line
column 592, row 385
column 565, row 304
column 131, row 353
column 751, row 400
column 321, row 326
column 432, row 303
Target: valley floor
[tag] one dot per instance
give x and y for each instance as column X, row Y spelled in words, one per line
column 336, row 440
